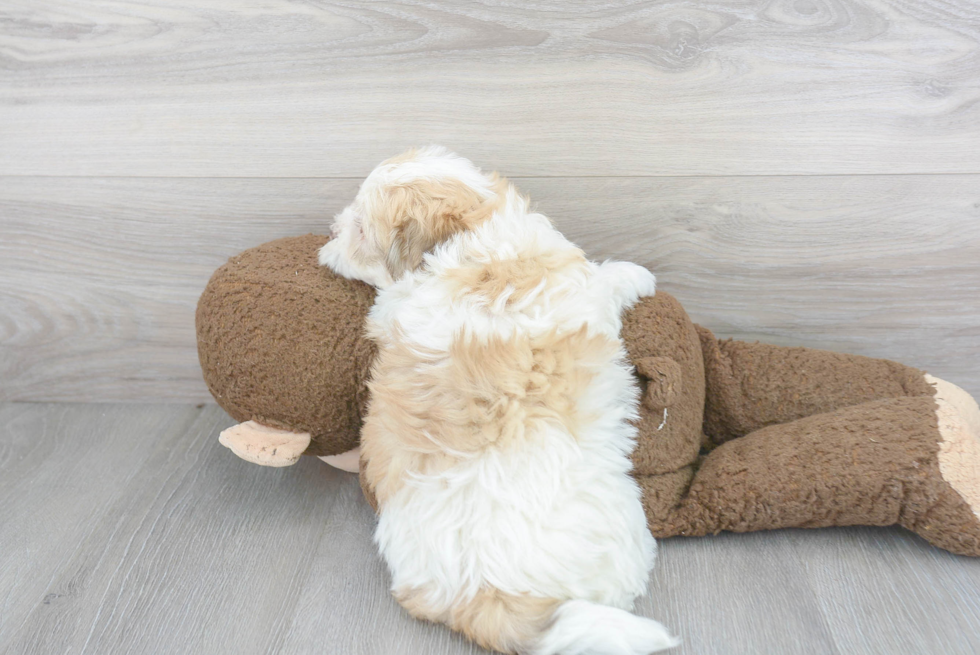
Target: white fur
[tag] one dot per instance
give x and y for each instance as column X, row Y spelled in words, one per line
column 556, row 515
column 582, row 627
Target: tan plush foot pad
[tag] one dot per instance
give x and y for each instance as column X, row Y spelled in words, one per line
column 263, row 445
column 959, row 451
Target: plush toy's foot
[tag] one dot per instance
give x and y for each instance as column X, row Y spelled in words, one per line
column 263, row 445
column 949, row 522
column 349, row 461
column 959, row 452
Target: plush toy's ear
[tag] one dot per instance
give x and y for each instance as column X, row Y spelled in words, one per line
column 265, row 445
column 424, row 213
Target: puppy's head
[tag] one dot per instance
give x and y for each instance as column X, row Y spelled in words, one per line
column 406, row 207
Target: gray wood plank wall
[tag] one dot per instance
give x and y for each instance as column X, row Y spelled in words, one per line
column 798, row 171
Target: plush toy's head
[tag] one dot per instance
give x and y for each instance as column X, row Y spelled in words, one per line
column 281, row 343
column 280, row 339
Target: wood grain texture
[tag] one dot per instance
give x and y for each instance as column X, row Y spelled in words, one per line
column 101, row 276
column 132, row 533
column 129, row 529
column 880, row 266
column 802, row 172
column 897, row 586
column 280, row 89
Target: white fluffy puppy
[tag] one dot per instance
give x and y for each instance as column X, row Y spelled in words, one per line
column 498, row 435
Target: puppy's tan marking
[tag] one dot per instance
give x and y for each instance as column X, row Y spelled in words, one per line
column 495, row 620
column 429, row 409
column 409, row 155
column 412, row 218
column 516, row 279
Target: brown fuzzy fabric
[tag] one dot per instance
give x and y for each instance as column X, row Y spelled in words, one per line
column 755, row 436
column 871, row 464
column 752, row 385
column 275, row 349
column 661, row 339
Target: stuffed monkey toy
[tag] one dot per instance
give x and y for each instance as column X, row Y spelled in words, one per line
column 732, row 436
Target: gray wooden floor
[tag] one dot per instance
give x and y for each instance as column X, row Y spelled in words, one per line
column 128, row 529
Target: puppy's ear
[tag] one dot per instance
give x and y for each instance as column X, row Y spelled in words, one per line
column 424, row 213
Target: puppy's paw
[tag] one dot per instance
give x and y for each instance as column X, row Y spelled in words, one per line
column 336, row 255
column 330, row 254
column 626, row 282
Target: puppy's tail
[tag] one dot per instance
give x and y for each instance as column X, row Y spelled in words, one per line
column 541, row 626
column 580, row 627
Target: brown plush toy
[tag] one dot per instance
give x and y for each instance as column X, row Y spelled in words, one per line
column 732, row 436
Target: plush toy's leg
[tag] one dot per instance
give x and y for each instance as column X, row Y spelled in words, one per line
column 263, row 445
column 752, row 385
column 913, row 461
